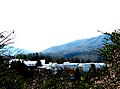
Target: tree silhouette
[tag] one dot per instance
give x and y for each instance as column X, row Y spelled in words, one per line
column 38, row 63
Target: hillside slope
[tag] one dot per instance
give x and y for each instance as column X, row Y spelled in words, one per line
column 84, row 48
column 83, row 44
column 11, row 50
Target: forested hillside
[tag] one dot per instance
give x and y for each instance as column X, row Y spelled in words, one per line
column 83, row 49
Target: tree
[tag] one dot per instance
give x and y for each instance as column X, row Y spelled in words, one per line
column 38, row 63
column 110, row 52
column 92, row 71
column 9, row 78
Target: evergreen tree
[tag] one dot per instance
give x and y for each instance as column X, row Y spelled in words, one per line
column 92, row 71
column 110, row 52
column 38, row 63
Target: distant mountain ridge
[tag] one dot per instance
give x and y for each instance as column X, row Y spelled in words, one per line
column 78, row 44
column 11, row 50
column 76, row 48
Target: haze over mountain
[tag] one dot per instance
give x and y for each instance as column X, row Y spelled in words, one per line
column 11, row 50
column 84, row 48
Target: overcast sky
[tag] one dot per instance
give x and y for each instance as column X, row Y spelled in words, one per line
column 40, row 24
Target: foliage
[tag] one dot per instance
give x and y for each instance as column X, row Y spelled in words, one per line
column 10, row 78
column 110, row 52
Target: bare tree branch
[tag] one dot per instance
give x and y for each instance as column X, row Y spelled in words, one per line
column 7, row 36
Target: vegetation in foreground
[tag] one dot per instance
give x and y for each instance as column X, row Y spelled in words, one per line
column 21, row 77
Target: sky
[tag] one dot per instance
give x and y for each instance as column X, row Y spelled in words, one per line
column 40, row 24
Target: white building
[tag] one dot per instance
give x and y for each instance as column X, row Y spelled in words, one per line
column 30, row 63
column 15, row 60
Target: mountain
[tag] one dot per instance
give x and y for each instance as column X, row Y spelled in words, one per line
column 84, row 48
column 11, row 50
column 78, row 45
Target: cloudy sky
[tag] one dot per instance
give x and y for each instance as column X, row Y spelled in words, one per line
column 40, row 24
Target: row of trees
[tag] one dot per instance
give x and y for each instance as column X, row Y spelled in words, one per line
column 30, row 56
column 38, row 56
